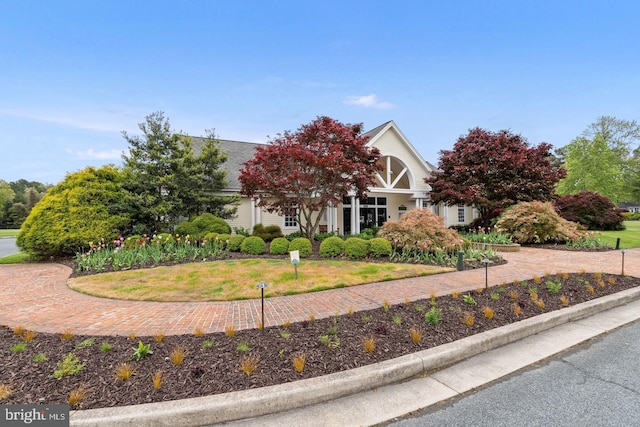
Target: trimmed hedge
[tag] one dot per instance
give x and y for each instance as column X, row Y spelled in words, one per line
column 301, row 244
column 355, row 247
column 210, row 223
column 235, row 242
column 267, row 233
column 331, row 247
column 253, row 245
column 379, row 247
column 279, row 246
column 202, row 225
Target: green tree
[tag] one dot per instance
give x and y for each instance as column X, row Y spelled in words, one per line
column 16, row 215
column 21, row 186
column 85, row 207
column 167, row 181
column 206, row 173
column 602, row 160
column 6, row 196
column 592, row 165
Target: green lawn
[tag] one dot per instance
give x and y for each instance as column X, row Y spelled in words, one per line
column 15, row 258
column 629, row 238
column 9, row 232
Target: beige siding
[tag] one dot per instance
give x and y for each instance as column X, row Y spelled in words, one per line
column 243, row 215
column 391, row 144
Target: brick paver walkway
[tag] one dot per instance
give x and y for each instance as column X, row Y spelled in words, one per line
column 36, row 297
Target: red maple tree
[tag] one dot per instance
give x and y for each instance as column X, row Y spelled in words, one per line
column 491, row 171
column 304, row 172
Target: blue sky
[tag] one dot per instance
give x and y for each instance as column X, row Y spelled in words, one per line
column 77, row 73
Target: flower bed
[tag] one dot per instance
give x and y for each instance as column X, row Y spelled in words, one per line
column 175, row 367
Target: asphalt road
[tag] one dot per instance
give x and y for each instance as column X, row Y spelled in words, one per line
column 594, row 384
column 8, row 246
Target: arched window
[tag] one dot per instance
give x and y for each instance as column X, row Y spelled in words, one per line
column 394, row 173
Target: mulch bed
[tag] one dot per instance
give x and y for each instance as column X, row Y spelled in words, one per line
column 216, row 369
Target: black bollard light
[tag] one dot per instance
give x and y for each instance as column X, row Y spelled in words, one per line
column 486, row 262
column 261, row 286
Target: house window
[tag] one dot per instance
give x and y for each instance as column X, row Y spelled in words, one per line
column 425, row 204
column 291, row 218
column 461, row 213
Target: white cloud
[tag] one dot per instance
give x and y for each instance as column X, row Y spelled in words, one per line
column 368, row 101
column 92, row 154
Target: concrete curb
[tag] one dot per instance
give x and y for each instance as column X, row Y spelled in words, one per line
column 268, row 400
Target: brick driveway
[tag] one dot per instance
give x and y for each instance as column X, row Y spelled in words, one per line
column 36, row 296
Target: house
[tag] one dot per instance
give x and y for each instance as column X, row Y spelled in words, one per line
column 399, row 187
column 630, row 206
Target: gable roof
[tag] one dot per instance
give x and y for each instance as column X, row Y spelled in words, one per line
column 377, row 132
column 238, row 153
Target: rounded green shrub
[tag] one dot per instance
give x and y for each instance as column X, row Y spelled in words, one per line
column 379, row 247
column 235, row 242
column 187, row 228
column 202, row 225
column 331, row 247
column 355, row 247
column 267, row 233
column 210, row 236
column 302, row 245
column 163, row 239
column 279, row 246
column 85, row 207
column 253, row 245
column 208, row 222
column 224, row 238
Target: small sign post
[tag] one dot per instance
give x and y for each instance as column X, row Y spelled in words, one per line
column 295, row 260
column 261, row 286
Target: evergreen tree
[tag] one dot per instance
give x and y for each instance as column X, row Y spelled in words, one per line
column 167, row 181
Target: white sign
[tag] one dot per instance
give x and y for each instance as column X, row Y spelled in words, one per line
column 295, row 257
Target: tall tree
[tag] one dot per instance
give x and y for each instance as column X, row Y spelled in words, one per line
column 491, row 171
column 602, row 160
column 206, row 172
column 6, row 197
column 592, row 165
column 307, row 170
column 167, row 180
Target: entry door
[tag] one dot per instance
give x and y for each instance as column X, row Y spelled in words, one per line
column 367, row 218
column 382, row 216
column 346, row 221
